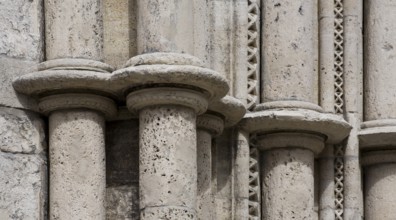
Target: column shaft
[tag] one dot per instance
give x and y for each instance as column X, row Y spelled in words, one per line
column 288, row 184
column 168, row 169
column 205, row 209
column 290, row 51
column 380, row 59
column 77, row 165
column 74, row 29
column 165, row 26
column 380, row 202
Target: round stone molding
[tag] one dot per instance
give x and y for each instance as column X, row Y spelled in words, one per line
column 334, row 128
column 289, row 104
column 378, row 135
column 378, row 157
column 230, row 108
column 313, row 142
column 76, row 101
column 167, row 96
column 174, row 70
column 65, row 76
column 212, row 123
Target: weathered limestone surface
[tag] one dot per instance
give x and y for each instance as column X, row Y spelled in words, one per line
column 380, row 60
column 289, row 51
column 165, row 26
column 168, row 168
column 23, row 183
column 23, row 165
column 77, row 165
column 380, row 180
column 119, row 34
column 21, row 26
column 74, row 29
column 288, row 177
column 21, row 132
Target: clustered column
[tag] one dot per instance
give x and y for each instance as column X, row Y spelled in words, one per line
column 291, row 128
column 168, row 88
column 224, row 113
column 377, row 138
column 71, row 87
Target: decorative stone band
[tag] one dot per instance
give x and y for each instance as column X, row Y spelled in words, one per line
column 333, row 128
column 212, row 123
column 314, row 142
column 76, row 101
column 167, row 96
column 369, row 158
column 230, row 108
column 164, row 58
column 378, row 135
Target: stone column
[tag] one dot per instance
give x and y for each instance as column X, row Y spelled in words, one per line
column 168, row 89
column 291, row 128
column 208, row 126
column 224, row 113
column 377, row 138
column 72, row 89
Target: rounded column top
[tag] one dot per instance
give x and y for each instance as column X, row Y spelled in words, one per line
column 167, row 96
column 97, row 103
column 334, row 128
column 230, row 108
column 211, row 123
column 169, row 70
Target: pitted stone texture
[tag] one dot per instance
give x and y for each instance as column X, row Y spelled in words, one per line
column 288, row 184
column 122, row 202
column 379, row 187
column 380, row 59
column 23, row 184
column 167, row 213
column 74, row 29
column 168, row 26
column 21, row 25
column 77, row 171
column 205, row 209
column 21, row 132
column 290, row 51
column 120, row 29
column 10, row 68
column 168, row 162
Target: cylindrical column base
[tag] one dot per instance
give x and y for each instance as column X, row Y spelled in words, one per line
column 379, row 184
column 77, row 165
column 288, row 174
column 168, row 168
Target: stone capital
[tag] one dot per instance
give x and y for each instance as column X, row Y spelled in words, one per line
column 212, row 123
column 282, row 118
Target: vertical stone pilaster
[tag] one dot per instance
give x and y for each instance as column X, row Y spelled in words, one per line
column 208, row 126
column 288, row 139
column 377, row 142
column 63, row 85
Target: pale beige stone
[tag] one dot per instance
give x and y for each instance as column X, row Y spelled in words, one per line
column 22, row 26
column 77, row 165
column 23, row 183
column 168, row 168
column 122, row 202
column 74, row 29
column 380, row 180
column 288, row 184
column 289, row 43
